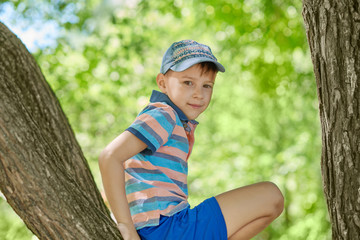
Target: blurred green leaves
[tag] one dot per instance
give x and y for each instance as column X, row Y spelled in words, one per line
column 11, row 226
column 263, row 121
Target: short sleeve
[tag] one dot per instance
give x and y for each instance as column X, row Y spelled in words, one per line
column 154, row 125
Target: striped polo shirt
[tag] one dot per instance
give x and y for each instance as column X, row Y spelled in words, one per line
column 156, row 178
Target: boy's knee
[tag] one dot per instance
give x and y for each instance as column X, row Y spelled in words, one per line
column 275, row 197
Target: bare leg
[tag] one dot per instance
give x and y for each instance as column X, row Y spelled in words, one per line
column 250, row 209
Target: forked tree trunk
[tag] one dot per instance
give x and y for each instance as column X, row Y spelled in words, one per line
column 333, row 32
column 43, row 173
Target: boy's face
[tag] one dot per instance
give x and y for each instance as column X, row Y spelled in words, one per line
column 190, row 90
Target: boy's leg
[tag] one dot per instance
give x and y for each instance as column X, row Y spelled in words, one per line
column 250, row 209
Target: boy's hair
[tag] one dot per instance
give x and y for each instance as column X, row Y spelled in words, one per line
column 208, row 67
column 205, row 67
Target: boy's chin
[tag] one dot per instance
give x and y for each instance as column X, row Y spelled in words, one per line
column 193, row 117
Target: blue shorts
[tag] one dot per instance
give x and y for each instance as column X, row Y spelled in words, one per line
column 204, row 221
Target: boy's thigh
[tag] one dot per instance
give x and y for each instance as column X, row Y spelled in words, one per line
column 246, row 204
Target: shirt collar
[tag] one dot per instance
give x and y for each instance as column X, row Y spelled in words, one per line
column 157, row 96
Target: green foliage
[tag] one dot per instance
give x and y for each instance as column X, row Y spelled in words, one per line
column 263, row 121
column 11, row 226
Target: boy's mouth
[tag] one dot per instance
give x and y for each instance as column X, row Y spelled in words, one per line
column 196, row 106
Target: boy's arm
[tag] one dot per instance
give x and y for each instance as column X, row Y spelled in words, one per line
column 111, row 162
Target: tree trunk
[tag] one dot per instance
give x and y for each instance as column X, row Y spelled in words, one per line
column 43, row 173
column 333, row 32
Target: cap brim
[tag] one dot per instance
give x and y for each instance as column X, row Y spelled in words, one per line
column 191, row 62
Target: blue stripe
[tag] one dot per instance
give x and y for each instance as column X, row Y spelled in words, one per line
column 178, row 193
column 148, row 223
column 175, row 166
column 182, row 185
column 148, row 132
column 157, row 177
column 157, row 174
column 156, row 199
column 163, row 118
column 146, row 207
column 143, row 170
column 167, row 160
column 136, row 187
column 179, row 145
column 148, row 108
column 132, row 181
column 168, row 118
column 153, row 177
column 179, row 138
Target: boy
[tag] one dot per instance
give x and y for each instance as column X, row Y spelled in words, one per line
column 144, row 169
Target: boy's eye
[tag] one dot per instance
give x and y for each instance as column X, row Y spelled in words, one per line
column 188, row 83
column 208, row 86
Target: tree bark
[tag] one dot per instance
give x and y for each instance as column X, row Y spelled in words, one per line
column 43, row 173
column 333, row 32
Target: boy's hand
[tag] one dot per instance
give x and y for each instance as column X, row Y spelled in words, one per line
column 128, row 231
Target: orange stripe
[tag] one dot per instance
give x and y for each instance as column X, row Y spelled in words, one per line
column 152, row 192
column 166, row 108
column 181, row 177
column 169, row 186
column 179, row 130
column 173, row 151
column 158, row 184
column 133, row 163
column 145, row 216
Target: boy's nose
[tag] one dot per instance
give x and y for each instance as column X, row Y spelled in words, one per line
column 198, row 92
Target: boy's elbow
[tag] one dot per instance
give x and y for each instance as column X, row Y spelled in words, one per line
column 109, row 156
column 102, row 155
column 104, row 158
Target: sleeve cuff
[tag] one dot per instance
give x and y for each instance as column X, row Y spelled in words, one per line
column 137, row 134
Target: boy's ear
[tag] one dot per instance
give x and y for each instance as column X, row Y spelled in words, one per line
column 160, row 80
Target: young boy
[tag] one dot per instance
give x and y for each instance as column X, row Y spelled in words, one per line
column 144, row 169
